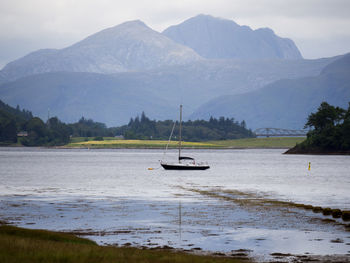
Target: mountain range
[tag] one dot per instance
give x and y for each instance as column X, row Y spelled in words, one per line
column 287, row 102
column 119, row 72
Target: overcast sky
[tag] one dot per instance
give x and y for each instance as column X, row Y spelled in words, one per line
column 320, row 28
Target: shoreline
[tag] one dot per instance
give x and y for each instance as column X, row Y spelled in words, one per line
column 111, row 143
column 239, row 255
column 37, row 238
column 295, row 150
column 93, row 147
column 173, row 148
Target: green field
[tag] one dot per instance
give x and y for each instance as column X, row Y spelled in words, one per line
column 19, row 245
column 272, row 142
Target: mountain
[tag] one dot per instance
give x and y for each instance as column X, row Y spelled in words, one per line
column 121, row 71
column 71, row 95
column 285, row 103
column 114, row 98
column 217, row 38
column 131, row 46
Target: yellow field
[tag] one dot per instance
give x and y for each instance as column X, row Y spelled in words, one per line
column 137, row 144
column 274, row 142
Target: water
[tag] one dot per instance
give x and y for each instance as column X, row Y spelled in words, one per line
column 111, row 197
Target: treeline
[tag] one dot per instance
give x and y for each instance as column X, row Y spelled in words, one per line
column 54, row 132
column 12, row 120
column 39, row 133
column 199, row 130
column 89, row 128
column 330, row 131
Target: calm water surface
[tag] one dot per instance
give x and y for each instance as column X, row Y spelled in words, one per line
column 112, row 197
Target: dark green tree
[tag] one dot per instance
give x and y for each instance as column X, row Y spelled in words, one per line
column 330, row 130
column 198, row 130
column 8, row 130
column 345, row 130
column 37, row 133
column 327, row 116
column 58, row 132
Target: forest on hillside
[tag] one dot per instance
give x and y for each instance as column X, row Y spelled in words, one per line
column 53, row 132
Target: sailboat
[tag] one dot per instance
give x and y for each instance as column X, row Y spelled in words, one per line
column 184, row 162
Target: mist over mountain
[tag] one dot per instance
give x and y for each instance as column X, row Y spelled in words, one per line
column 217, row 38
column 131, row 46
column 285, row 103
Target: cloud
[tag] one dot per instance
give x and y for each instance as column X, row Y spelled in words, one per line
column 29, row 25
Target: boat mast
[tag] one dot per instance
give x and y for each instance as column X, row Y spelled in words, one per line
column 180, row 132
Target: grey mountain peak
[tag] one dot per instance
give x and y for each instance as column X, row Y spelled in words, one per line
column 130, row 46
column 217, row 38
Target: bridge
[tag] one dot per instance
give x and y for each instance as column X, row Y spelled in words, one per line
column 278, row 132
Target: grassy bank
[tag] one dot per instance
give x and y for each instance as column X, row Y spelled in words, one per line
column 24, row 245
column 273, row 142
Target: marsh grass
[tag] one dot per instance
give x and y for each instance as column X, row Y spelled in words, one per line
column 24, row 245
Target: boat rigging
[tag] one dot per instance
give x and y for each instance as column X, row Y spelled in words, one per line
column 184, row 162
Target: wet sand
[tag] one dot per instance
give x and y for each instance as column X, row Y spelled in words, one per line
column 220, row 222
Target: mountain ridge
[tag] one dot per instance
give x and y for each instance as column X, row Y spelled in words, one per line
column 130, row 46
column 217, row 38
column 285, row 103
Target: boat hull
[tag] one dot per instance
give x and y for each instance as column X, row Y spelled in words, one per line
column 184, row 167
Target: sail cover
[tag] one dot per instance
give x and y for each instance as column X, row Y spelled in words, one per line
column 185, row 158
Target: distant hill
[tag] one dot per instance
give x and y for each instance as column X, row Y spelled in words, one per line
column 114, row 99
column 217, row 38
column 70, row 96
column 127, row 47
column 285, row 103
